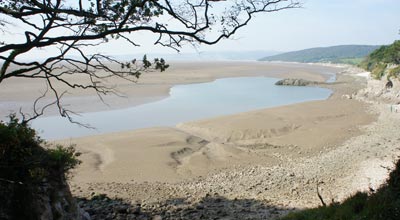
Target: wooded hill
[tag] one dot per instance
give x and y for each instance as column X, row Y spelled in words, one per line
column 350, row 54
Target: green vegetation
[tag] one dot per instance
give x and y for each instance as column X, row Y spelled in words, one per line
column 378, row 61
column 351, row 61
column 27, row 166
column 23, row 153
column 395, row 71
column 348, row 54
column 384, row 204
column 379, row 70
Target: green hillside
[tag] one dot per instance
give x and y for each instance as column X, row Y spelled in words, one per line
column 350, row 54
column 383, row 61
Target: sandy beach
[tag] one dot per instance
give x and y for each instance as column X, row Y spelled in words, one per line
column 193, row 149
column 152, row 86
column 271, row 160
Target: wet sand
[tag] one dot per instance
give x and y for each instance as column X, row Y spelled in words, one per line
column 275, row 156
column 193, row 149
column 151, row 86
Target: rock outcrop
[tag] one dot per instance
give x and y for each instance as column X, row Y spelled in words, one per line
column 50, row 200
column 33, row 183
column 294, row 82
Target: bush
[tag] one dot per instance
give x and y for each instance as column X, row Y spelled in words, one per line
column 378, row 60
column 395, row 72
column 23, row 153
column 28, row 163
column 379, row 70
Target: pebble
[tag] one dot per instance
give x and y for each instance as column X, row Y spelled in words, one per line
column 249, row 192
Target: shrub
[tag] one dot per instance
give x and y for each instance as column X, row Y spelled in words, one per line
column 379, row 70
column 28, row 163
column 377, row 61
column 23, row 153
column 395, row 72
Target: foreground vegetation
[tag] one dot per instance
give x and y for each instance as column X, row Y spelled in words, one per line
column 31, row 172
column 384, row 204
column 385, row 60
column 348, row 54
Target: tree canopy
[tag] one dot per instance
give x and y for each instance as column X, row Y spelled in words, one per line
column 334, row 54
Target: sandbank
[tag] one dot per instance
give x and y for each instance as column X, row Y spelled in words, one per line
column 195, row 149
column 152, row 86
column 275, row 155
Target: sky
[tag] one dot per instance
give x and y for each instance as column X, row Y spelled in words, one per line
column 319, row 23
column 326, row 23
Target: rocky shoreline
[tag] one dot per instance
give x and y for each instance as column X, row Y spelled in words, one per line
column 258, row 191
column 209, row 207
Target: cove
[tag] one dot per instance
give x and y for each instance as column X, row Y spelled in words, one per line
column 185, row 103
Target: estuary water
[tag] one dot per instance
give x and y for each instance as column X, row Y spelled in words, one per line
column 185, row 103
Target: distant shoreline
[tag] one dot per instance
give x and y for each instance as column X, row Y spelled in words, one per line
column 273, row 156
column 152, row 86
column 243, row 127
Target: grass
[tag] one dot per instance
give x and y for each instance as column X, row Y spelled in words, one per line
column 384, row 204
column 351, row 61
column 379, row 71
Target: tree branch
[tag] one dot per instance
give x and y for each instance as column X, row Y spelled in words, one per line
column 88, row 24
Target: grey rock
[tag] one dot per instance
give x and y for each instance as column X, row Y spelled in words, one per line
column 157, row 217
column 294, row 82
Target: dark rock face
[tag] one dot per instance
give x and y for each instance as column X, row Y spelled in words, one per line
column 33, row 175
column 294, row 82
column 47, row 201
column 389, row 85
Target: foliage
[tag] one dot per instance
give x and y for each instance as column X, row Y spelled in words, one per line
column 381, row 58
column 395, row 71
column 25, row 158
column 379, row 70
column 384, row 204
column 351, row 61
column 27, row 163
column 336, row 54
column 62, row 159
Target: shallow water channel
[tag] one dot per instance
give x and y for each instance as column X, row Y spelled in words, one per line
column 185, row 103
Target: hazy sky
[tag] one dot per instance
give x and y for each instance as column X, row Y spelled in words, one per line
column 318, row 23
column 325, row 23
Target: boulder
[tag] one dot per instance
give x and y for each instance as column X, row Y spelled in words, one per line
column 294, row 82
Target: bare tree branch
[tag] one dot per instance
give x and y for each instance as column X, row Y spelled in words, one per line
column 75, row 26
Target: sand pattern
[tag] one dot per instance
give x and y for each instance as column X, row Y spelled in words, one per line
column 341, row 145
column 253, row 165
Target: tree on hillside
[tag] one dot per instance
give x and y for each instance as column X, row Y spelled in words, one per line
column 378, row 61
column 73, row 27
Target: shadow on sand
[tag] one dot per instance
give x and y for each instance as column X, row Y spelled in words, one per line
column 209, row 207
